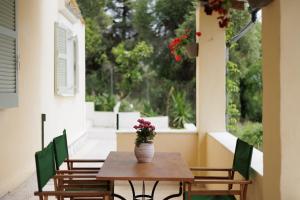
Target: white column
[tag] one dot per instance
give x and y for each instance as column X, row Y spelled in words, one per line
column 210, row 75
column 281, row 112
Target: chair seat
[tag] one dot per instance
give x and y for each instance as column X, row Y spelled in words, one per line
column 215, row 197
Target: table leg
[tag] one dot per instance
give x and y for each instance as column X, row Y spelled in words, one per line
column 118, row 196
column 143, row 195
column 175, row 195
column 149, row 197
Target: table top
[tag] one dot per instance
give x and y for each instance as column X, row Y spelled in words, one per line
column 164, row 167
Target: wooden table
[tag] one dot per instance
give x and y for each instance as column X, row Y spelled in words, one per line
column 164, row 167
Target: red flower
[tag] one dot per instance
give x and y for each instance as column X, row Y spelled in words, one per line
column 185, row 36
column 140, row 121
column 198, row 34
column 178, row 58
column 176, row 45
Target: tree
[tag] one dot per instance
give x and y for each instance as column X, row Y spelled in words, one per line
column 115, row 28
column 244, row 81
column 130, row 66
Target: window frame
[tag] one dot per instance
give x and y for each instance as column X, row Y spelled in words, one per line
column 70, row 90
column 11, row 100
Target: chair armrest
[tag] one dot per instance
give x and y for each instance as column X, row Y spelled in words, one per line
column 77, row 171
column 240, row 182
column 212, row 177
column 72, row 194
column 84, row 160
column 215, row 192
column 210, row 169
column 64, row 176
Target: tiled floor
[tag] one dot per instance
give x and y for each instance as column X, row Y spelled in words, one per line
column 98, row 144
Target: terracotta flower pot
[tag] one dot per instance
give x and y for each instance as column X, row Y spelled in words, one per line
column 192, row 50
column 144, row 153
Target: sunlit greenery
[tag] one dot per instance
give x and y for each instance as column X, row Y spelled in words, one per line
column 128, row 60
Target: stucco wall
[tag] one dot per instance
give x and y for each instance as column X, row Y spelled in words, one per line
column 184, row 143
column 281, row 77
column 20, row 134
column 290, row 99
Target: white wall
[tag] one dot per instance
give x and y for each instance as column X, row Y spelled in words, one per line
column 62, row 112
column 20, row 133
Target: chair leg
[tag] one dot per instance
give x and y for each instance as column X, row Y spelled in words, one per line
column 243, row 192
column 112, row 188
column 184, row 190
column 189, row 197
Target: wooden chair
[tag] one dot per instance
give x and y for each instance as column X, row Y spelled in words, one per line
column 241, row 164
column 62, row 155
column 45, row 169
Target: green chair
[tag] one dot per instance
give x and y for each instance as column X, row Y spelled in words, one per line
column 241, row 165
column 62, row 155
column 45, row 169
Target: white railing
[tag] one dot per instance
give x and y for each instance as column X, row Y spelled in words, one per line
column 228, row 141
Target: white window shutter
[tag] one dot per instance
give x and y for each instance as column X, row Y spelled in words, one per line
column 8, row 54
column 76, row 65
column 60, row 60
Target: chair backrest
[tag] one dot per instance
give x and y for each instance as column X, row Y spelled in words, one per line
column 60, row 149
column 242, row 158
column 45, row 166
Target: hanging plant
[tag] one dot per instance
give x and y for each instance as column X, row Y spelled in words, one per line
column 185, row 43
column 222, row 8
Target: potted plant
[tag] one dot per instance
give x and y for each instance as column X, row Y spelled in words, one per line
column 184, row 44
column 144, row 148
column 222, row 8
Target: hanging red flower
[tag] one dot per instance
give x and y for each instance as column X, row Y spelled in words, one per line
column 222, row 8
column 176, row 45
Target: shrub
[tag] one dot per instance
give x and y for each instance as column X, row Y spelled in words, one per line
column 181, row 110
column 104, row 102
column 252, row 133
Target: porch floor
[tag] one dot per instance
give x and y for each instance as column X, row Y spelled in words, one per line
column 98, row 143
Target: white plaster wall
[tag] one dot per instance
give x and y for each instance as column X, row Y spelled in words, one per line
column 290, row 99
column 62, row 112
column 20, row 127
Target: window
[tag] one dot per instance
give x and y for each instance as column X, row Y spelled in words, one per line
column 66, row 50
column 8, row 55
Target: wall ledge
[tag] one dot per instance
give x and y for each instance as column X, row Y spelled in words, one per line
column 162, row 131
column 228, row 141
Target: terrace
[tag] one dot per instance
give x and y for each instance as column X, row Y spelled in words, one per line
column 275, row 171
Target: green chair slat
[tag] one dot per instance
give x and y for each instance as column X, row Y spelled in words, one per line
column 45, row 166
column 60, row 149
column 242, row 158
column 215, row 197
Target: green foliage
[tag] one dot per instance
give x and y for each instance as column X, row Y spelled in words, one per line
column 232, row 87
column 251, row 133
column 126, row 106
column 103, row 102
column 130, row 66
column 251, row 96
column 181, row 111
column 111, row 23
column 244, row 81
column 148, row 110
